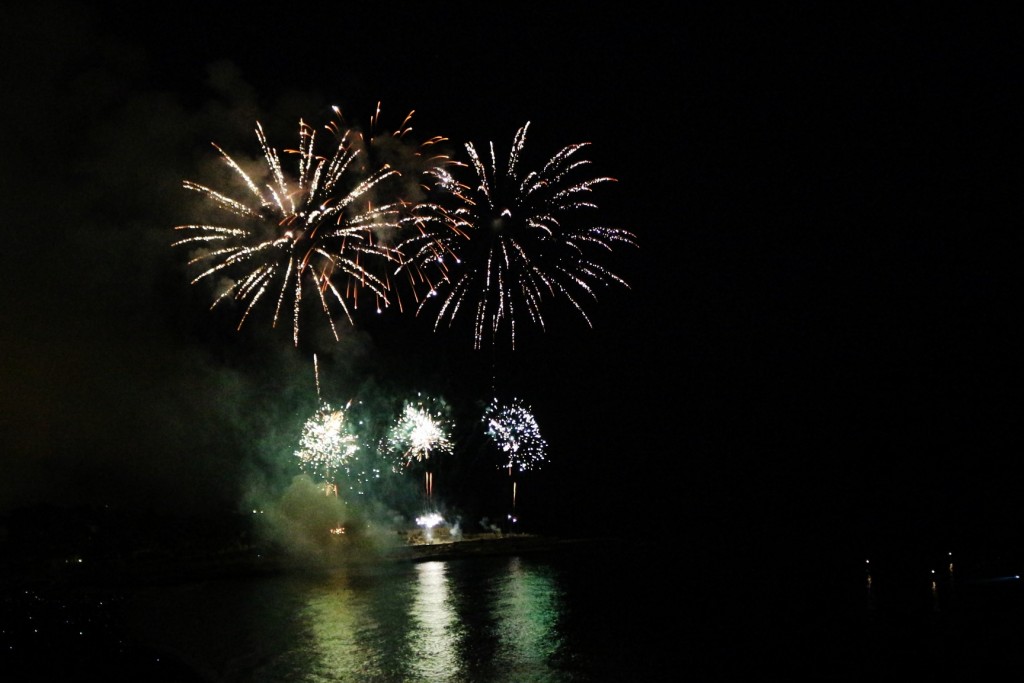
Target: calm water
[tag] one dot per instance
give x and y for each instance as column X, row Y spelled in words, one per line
column 592, row 613
column 517, row 618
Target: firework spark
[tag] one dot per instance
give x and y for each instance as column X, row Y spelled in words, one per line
column 525, row 241
column 365, row 470
column 514, row 431
column 290, row 236
column 326, row 444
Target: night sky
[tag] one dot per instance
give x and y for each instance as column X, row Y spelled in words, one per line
column 819, row 339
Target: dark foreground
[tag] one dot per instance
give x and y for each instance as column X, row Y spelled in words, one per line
column 64, row 617
column 716, row 608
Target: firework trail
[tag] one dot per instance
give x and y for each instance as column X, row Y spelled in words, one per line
column 514, row 431
column 326, row 445
column 526, row 241
column 421, row 429
column 295, row 237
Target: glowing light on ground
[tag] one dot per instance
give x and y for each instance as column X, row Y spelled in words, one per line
column 428, row 522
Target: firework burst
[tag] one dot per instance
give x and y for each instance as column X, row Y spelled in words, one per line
column 295, row 236
column 326, row 444
column 526, row 241
column 422, row 428
column 417, row 193
column 514, row 431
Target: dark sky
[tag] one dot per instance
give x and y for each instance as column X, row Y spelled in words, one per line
column 819, row 332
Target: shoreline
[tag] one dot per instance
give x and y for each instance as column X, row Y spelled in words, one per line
column 106, row 573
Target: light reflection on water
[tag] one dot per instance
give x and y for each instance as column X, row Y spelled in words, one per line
column 592, row 615
column 434, row 631
column 485, row 619
column 529, row 603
